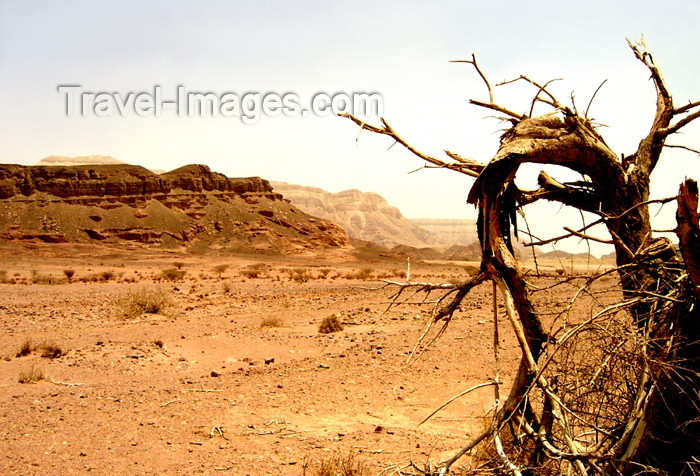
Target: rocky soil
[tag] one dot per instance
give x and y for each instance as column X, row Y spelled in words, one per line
column 233, row 376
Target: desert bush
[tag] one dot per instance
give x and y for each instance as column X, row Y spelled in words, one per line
column 220, row 268
column 171, row 274
column 102, row 276
column 336, row 465
column 50, row 350
column 145, row 300
column 38, row 278
column 398, row 273
column 178, row 264
column 3, row 276
column 364, row 274
column 324, row 272
column 300, row 275
column 251, row 273
column 31, row 375
column 226, row 286
column 26, row 348
column 271, row 322
column 69, row 273
column 329, row 325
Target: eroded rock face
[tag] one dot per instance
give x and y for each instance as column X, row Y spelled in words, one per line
column 365, row 216
column 113, row 203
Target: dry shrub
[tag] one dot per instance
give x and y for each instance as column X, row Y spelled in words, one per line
column 171, row 274
column 254, row 271
column 336, row 465
column 271, row 322
column 178, row 264
column 3, row 276
column 226, row 286
column 329, row 325
column 364, row 274
column 324, row 272
column 145, row 300
column 47, row 349
column 50, row 350
column 101, row 277
column 301, row 275
column 220, row 268
column 31, row 375
column 69, row 273
column 38, row 278
column 26, row 348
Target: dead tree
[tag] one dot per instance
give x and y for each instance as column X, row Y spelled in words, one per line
column 655, row 426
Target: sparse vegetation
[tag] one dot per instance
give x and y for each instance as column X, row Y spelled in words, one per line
column 220, row 269
column 102, row 276
column 69, row 273
column 146, row 300
column 26, row 348
column 329, row 325
column 300, row 275
column 336, row 465
column 364, row 274
column 47, row 349
column 254, row 271
column 50, row 350
column 226, row 286
column 171, row 274
column 38, row 278
column 271, row 322
column 178, row 264
column 31, row 375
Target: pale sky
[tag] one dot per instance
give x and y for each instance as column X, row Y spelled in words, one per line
column 400, row 50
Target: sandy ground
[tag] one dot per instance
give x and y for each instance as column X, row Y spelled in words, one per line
column 203, row 388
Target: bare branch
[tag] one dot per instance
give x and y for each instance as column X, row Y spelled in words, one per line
column 478, row 70
column 386, row 129
column 585, row 114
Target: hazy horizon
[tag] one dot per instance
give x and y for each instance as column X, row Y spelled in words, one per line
column 298, row 49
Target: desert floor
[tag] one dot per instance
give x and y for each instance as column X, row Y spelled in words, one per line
column 233, row 376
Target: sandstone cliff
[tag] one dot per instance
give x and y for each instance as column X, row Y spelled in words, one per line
column 449, row 231
column 187, row 206
column 365, row 216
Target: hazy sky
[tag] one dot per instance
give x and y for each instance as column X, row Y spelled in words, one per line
column 397, row 49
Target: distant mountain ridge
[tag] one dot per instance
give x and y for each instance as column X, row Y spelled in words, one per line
column 189, row 206
column 364, row 215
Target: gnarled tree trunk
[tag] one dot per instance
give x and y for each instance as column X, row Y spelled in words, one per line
column 659, row 428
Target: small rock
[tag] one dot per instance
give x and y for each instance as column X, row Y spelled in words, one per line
column 215, row 373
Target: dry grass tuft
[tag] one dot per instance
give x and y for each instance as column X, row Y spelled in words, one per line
column 271, row 322
column 171, row 274
column 145, row 299
column 31, row 375
column 329, row 325
column 26, row 348
column 51, row 350
column 336, row 465
column 47, row 349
